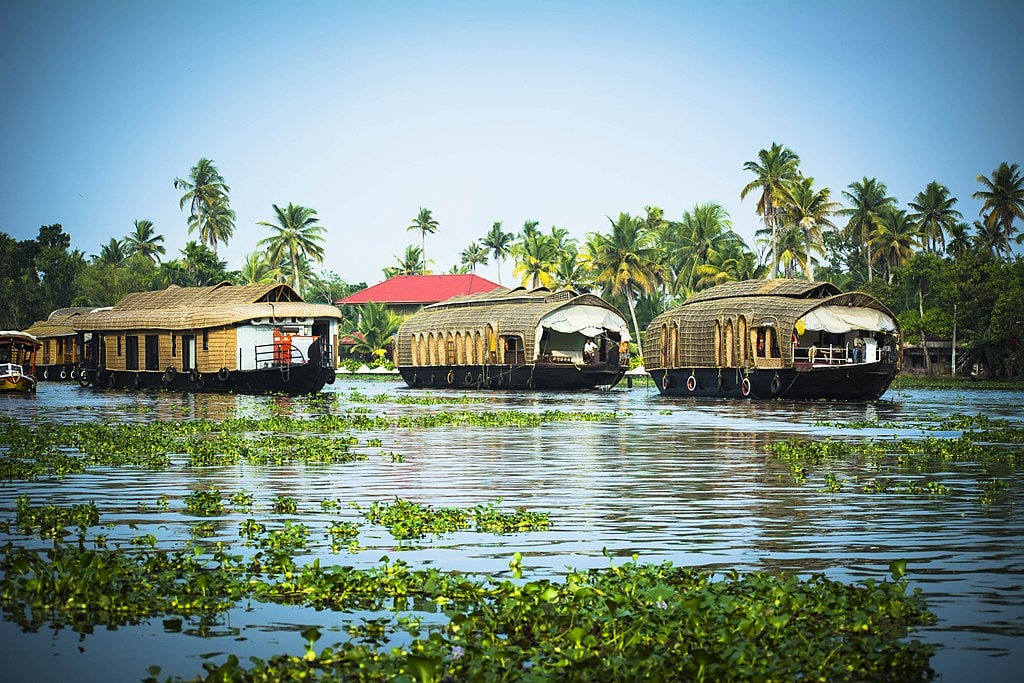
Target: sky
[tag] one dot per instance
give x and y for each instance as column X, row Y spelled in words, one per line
column 563, row 112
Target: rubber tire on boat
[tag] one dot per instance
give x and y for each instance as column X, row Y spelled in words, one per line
column 776, row 384
column 332, row 377
column 664, row 380
column 745, row 386
column 193, row 375
column 530, row 384
column 691, row 383
column 169, row 374
column 46, row 374
column 451, row 377
column 83, row 379
column 200, row 381
column 719, row 382
column 223, row 374
column 111, row 381
column 64, row 374
column 469, row 378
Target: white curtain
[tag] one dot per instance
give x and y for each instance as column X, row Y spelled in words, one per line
column 839, row 319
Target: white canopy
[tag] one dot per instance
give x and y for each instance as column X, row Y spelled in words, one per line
column 587, row 320
column 839, row 319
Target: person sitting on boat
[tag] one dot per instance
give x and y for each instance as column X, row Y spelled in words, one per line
column 589, row 349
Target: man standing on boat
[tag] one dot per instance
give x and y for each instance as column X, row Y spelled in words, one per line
column 589, row 349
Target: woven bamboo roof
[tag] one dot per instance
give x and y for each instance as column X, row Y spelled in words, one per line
column 59, row 323
column 189, row 308
column 516, row 311
column 774, row 303
column 17, row 338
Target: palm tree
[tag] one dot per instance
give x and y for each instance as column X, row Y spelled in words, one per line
column 145, row 241
column 869, row 203
column 498, row 243
column 627, row 261
column 375, row 330
column 426, row 224
column 809, row 210
column 257, row 270
column 1003, row 199
column 774, row 168
column 792, row 251
column 991, row 238
column 959, row 240
column 572, row 271
column 537, row 254
column 697, row 240
column 934, row 213
column 112, row 253
column 410, row 264
column 474, row 255
column 895, row 240
column 297, row 236
column 206, row 193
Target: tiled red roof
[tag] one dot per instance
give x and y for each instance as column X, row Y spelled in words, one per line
column 421, row 289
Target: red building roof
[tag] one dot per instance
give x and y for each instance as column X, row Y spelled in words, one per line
column 420, row 289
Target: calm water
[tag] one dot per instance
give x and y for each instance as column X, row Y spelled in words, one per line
column 684, row 480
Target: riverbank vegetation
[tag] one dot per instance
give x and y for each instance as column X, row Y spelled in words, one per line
column 943, row 276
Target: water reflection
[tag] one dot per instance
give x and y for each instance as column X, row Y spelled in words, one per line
column 679, row 479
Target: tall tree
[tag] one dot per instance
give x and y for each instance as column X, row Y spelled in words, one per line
column 774, row 168
column 498, row 243
column 206, row 193
column 811, row 212
column 896, row 240
column 537, row 254
column 868, row 204
column 1003, row 199
column 959, row 240
column 411, row 263
column 297, row 237
column 112, row 253
column 474, row 255
column 696, row 240
column 935, row 215
column 257, row 270
column 145, row 241
column 627, row 261
column 425, row 224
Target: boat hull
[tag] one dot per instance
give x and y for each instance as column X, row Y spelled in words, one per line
column 529, row 377
column 57, row 372
column 863, row 382
column 293, row 380
column 25, row 384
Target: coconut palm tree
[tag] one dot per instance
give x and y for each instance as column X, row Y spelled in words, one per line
column 869, row 203
column 375, row 330
column 425, row 224
column 1003, row 199
column 257, row 270
column 537, row 254
column 811, row 212
column 411, row 263
column 896, row 239
column 474, row 255
column 206, row 193
column 297, row 236
column 627, row 261
column 696, row 240
column 959, row 240
column 934, row 213
column 498, row 243
column 991, row 238
column 792, row 251
column 145, row 241
column 572, row 271
column 774, row 168
column 112, row 253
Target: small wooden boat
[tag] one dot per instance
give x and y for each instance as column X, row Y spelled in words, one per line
column 514, row 339
column 243, row 339
column 774, row 339
column 61, row 351
column 18, row 362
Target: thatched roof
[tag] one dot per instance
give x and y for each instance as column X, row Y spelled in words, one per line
column 518, row 311
column 16, row 338
column 60, row 323
column 747, row 305
column 190, row 308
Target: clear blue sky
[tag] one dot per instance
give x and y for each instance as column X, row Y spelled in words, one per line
column 562, row 112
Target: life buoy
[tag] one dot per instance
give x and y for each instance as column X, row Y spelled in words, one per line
column 169, row 374
column 745, row 386
column 112, row 381
column 776, row 384
column 691, row 383
column 64, row 374
column 664, row 380
column 223, row 374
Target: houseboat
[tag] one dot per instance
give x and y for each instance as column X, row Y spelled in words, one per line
column 245, row 339
column 18, row 362
column 514, row 339
column 774, row 339
column 61, row 351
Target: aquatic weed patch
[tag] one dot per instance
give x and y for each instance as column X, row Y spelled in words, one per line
column 407, row 519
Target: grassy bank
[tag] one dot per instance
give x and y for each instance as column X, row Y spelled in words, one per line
column 911, row 381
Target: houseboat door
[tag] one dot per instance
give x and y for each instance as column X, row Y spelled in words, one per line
column 188, row 352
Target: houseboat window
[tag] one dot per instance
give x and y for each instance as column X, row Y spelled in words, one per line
column 449, row 350
column 118, row 346
column 728, row 346
column 514, row 350
column 152, row 352
column 767, row 343
column 206, row 340
column 174, row 346
column 131, row 345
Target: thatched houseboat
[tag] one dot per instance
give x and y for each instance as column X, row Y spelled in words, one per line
column 774, row 339
column 62, row 347
column 244, row 339
column 18, row 362
column 514, row 339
